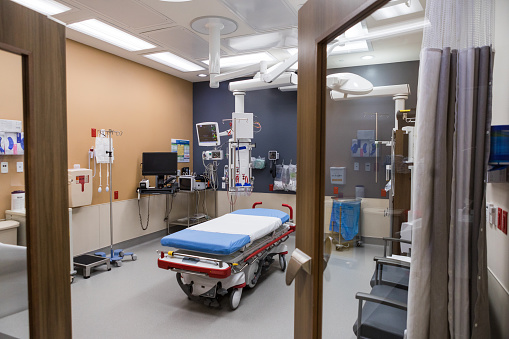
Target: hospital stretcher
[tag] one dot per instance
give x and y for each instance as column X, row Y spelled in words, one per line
column 228, row 253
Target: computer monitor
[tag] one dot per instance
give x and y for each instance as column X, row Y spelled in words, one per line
column 159, row 164
column 208, row 134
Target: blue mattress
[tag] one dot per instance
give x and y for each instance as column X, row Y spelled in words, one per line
column 264, row 212
column 218, row 243
column 206, row 242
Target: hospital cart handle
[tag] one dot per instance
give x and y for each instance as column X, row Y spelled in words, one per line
column 298, row 261
column 257, row 203
column 291, row 210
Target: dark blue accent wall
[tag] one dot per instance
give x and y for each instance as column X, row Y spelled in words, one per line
column 276, row 111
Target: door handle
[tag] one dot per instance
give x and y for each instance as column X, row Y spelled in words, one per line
column 327, row 250
column 298, row 261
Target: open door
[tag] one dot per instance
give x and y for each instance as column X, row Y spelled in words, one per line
column 39, row 44
column 320, row 21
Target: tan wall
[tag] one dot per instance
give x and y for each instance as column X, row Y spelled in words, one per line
column 150, row 107
column 11, row 107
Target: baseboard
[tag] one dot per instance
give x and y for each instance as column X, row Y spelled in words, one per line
column 136, row 241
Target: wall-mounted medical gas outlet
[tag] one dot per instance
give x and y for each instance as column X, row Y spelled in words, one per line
column 19, row 167
column 4, row 167
column 212, row 155
column 355, row 166
column 367, row 167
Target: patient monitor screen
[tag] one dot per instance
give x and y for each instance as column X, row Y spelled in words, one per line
column 207, row 134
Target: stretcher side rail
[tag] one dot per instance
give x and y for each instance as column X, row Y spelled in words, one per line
column 258, row 249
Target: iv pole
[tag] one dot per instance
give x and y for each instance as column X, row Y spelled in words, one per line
column 116, row 256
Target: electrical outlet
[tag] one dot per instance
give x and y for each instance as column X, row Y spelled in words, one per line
column 5, row 167
column 19, row 166
column 367, row 167
column 504, row 222
column 115, row 195
column 355, row 166
column 223, row 185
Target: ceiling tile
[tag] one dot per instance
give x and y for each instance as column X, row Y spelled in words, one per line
column 264, row 15
column 128, row 12
column 181, row 39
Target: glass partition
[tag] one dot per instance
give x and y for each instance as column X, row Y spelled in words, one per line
column 13, row 238
column 372, row 73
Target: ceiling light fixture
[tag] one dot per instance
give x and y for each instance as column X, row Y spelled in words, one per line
column 174, row 61
column 46, row 7
column 202, row 75
column 382, row 33
column 110, row 34
column 397, row 8
column 244, row 60
column 367, row 57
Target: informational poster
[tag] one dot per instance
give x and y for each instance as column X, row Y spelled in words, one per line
column 182, row 148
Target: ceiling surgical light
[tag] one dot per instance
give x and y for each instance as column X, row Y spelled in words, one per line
column 174, row 61
column 110, row 34
column 349, row 83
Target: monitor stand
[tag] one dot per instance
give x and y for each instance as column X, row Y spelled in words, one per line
column 160, row 181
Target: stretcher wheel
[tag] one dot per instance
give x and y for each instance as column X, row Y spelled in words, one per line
column 235, row 298
column 118, row 263
column 134, row 257
column 282, row 262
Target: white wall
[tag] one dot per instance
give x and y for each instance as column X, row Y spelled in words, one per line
column 498, row 194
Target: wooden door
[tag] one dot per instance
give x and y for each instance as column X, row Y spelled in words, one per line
column 320, row 21
column 41, row 44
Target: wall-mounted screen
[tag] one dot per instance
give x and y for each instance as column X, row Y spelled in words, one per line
column 208, row 134
column 159, row 163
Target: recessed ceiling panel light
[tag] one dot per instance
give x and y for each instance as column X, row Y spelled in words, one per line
column 367, row 57
column 110, row 34
column 202, row 75
column 244, row 60
column 397, row 8
column 174, row 61
column 46, row 7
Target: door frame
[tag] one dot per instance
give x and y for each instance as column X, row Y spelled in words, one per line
column 320, row 21
column 41, row 44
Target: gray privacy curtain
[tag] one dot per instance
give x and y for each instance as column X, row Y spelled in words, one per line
column 448, row 278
